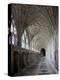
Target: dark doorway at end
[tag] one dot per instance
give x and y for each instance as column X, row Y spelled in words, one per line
column 43, row 52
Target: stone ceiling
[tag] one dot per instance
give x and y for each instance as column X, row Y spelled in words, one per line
column 39, row 21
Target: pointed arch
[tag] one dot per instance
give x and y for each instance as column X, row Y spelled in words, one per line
column 25, row 40
column 13, row 33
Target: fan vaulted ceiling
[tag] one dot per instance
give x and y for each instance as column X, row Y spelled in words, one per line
column 39, row 21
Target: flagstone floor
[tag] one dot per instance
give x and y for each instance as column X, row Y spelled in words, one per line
column 43, row 67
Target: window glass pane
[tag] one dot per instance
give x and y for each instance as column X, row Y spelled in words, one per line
column 23, row 37
column 15, row 30
column 11, row 27
column 23, row 41
column 27, row 47
column 23, row 45
column 13, row 21
column 26, row 40
column 13, row 39
column 25, row 32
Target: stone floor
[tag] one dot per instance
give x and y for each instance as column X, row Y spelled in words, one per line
column 43, row 67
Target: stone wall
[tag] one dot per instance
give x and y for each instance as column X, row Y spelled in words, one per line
column 52, row 50
column 24, row 58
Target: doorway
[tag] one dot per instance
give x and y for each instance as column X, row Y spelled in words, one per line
column 43, row 52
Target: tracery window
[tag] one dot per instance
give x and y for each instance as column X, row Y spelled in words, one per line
column 24, row 40
column 13, row 33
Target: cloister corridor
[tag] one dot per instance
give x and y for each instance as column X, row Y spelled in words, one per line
column 32, row 40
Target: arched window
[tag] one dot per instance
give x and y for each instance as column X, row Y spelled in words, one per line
column 24, row 40
column 13, row 33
